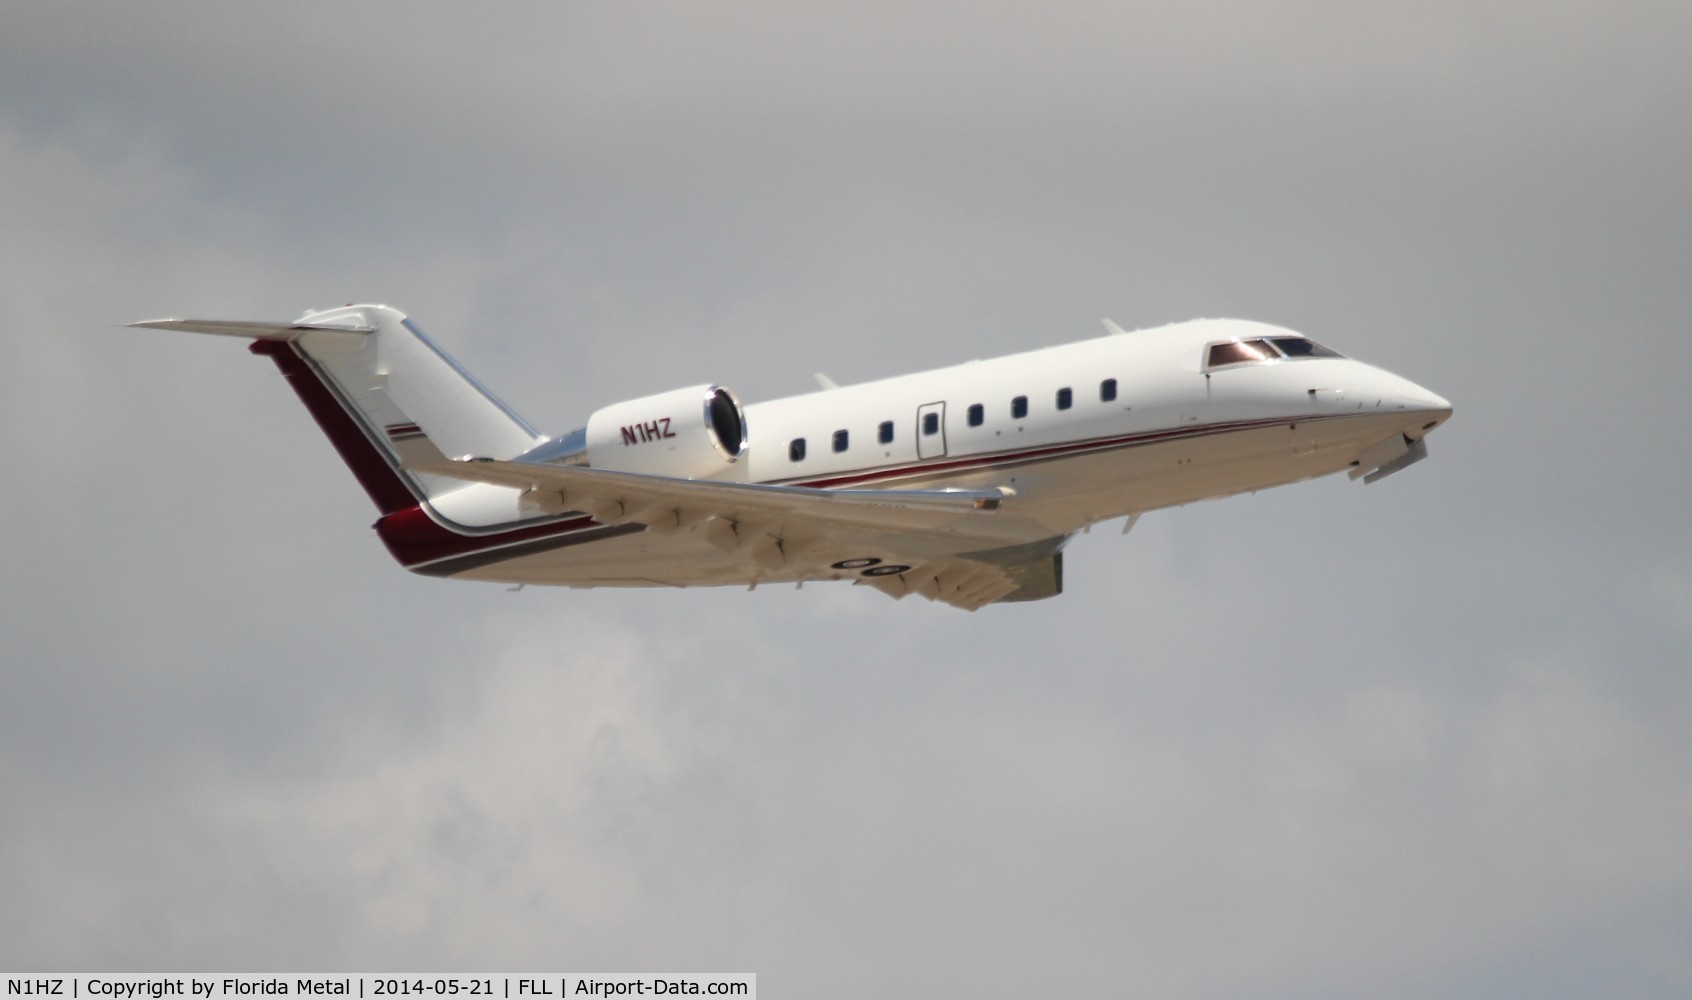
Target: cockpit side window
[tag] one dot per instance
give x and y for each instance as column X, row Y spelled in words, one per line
column 1236, row 352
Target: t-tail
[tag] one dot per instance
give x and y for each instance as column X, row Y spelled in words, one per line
column 385, row 396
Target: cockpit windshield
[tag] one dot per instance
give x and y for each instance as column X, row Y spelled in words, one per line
column 1302, row 347
column 1256, row 351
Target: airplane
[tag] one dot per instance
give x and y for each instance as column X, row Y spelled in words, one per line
column 961, row 484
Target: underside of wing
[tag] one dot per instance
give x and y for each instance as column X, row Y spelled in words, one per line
column 945, row 545
column 973, row 580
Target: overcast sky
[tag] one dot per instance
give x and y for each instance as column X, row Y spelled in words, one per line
column 1423, row 738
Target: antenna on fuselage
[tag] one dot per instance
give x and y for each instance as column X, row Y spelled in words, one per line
column 1111, row 327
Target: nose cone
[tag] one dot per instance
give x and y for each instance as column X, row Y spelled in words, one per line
column 1424, row 401
column 1429, row 409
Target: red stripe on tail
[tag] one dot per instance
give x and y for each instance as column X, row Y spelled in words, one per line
column 386, row 489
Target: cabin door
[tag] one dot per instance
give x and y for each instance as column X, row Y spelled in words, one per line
column 931, row 430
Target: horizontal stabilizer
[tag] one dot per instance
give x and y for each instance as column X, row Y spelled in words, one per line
column 252, row 331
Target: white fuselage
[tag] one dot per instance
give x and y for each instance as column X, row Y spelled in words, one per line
column 1172, row 432
column 961, row 484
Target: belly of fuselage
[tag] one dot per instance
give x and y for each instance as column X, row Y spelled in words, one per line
column 1051, row 496
column 1069, row 492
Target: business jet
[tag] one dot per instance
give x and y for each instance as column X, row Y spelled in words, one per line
column 962, row 484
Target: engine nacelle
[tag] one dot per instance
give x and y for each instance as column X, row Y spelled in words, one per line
column 694, row 433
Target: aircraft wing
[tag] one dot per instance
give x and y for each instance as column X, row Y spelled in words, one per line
column 775, row 524
column 633, row 496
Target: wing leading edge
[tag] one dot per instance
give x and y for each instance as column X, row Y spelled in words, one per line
column 659, row 501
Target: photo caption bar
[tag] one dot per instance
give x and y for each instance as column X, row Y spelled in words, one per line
column 494, row 986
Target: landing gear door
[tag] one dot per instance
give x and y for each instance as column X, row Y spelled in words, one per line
column 931, row 430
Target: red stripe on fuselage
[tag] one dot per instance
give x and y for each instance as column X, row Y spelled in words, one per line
column 416, row 540
column 1009, row 458
column 414, row 537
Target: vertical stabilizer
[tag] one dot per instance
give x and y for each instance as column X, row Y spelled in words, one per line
column 384, row 394
column 402, row 385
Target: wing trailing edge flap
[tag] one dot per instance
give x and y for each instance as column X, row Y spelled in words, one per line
column 664, row 503
column 973, row 580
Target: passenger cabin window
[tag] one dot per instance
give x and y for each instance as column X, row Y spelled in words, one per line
column 931, row 423
column 884, row 433
column 977, row 415
column 796, row 450
column 1107, row 390
column 841, row 440
column 1019, row 407
column 1065, row 398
